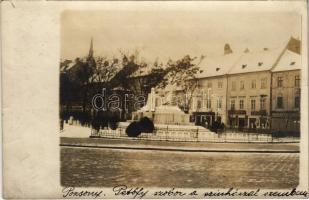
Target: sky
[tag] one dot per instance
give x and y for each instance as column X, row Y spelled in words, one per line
column 164, row 34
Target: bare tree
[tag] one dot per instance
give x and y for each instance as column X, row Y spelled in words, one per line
column 182, row 74
column 105, row 69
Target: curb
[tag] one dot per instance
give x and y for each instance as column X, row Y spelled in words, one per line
column 206, row 141
column 176, row 149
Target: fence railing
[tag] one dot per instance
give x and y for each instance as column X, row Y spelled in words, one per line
column 197, row 135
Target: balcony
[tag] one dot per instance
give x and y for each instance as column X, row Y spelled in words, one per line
column 259, row 112
column 236, row 112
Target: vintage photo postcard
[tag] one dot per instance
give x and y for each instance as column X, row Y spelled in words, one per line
column 155, row 100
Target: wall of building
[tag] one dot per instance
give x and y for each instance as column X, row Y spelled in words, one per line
column 241, row 87
column 247, row 87
column 286, row 115
column 288, row 90
column 210, row 99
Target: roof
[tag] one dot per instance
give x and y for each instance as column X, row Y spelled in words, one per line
column 288, row 61
column 217, row 65
column 256, row 61
column 67, row 66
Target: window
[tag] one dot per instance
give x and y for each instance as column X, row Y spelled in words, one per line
column 234, row 85
column 297, row 102
column 279, row 81
column 220, row 84
column 204, row 102
column 209, row 85
column 297, row 81
column 253, row 84
column 263, row 83
column 241, row 104
column 208, row 103
column 219, row 103
column 233, row 104
column 253, row 104
column 199, row 104
column 279, row 102
column 242, row 85
column 263, row 104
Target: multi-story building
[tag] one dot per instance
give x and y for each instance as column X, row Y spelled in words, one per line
column 248, row 92
column 255, row 90
column 286, row 80
column 252, row 90
column 209, row 101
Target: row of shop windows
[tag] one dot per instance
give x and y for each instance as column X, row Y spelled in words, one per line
column 245, row 122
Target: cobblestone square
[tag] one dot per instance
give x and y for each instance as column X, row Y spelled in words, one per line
column 89, row 167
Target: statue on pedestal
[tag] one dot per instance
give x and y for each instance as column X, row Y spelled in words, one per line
column 160, row 110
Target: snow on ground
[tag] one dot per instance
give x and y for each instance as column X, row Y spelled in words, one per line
column 125, row 124
column 75, row 131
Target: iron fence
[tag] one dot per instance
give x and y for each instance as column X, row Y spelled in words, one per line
column 196, row 135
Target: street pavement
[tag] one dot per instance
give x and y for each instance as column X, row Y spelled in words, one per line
column 107, row 162
column 99, row 167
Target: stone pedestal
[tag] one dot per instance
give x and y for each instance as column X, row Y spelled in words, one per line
column 164, row 114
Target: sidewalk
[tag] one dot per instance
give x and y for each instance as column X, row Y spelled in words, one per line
column 108, row 143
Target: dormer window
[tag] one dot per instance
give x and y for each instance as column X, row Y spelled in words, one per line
column 292, row 63
column 244, row 66
column 201, row 71
column 260, row 64
column 217, row 69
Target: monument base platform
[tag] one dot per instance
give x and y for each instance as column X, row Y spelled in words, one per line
column 169, row 115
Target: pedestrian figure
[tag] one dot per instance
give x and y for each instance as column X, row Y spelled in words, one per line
column 61, row 124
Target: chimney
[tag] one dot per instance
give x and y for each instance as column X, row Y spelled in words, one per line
column 294, row 45
column 227, row 49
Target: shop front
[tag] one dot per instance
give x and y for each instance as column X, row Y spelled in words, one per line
column 205, row 119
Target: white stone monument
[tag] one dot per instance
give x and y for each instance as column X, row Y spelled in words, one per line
column 162, row 114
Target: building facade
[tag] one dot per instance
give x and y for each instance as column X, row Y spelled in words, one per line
column 286, row 93
column 209, row 101
column 210, row 98
column 248, row 92
column 251, row 90
column 248, row 97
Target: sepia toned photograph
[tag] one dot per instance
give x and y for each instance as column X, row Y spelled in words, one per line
column 154, row 99
column 180, row 99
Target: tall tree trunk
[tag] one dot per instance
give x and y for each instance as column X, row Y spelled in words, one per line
column 85, row 97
